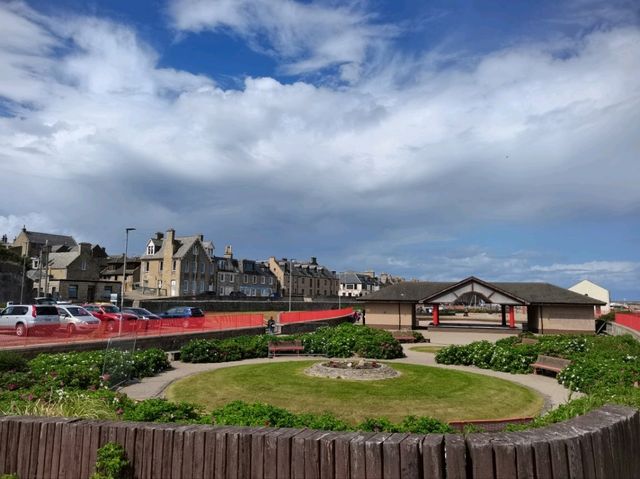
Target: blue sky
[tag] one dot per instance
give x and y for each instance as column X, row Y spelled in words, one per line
column 433, row 140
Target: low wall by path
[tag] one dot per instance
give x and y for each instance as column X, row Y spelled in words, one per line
column 242, row 305
column 600, row 444
column 616, row 329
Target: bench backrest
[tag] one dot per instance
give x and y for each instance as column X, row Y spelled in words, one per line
column 296, row 342
column 553, row 361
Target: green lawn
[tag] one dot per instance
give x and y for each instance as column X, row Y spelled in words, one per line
column 427, row 349
column 420, row 390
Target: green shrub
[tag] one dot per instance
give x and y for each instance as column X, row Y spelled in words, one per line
column 111, row 462
column 341, row 341
column 12, row 362
column 161, row 410
column 424, row 425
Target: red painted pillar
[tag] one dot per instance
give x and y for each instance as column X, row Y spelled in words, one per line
column 436, row 317
column 512, row 316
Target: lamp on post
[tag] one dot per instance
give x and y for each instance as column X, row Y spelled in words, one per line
column 124, row 276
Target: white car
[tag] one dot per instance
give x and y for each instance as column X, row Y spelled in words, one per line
column 76, row 319
column 26, row 319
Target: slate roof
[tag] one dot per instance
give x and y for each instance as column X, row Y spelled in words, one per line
column 42, row 238
column 181, row 246
column 529, row 293
column 62, row 260
column 306, row 270
column 349, row 277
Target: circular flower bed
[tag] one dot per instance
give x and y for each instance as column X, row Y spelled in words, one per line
column 361, row 370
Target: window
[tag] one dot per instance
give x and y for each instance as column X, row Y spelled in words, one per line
column 202, row 268
column 246, row 278
column 349, row 286
column 270, row 279
column 151, row 249
column 195, row 250
column 230, row 278
column 221, row 264
column 255, row 279
column 263, row 279
column 195, row 267
column 173, row 265
column 73, row 291
column 161, row 265
column 185, row 286
column 146, row 266
column 108, row 289
column 193, row 286
column 83, row 265
column 186, row 266
column 221, row 277
column 201, row 286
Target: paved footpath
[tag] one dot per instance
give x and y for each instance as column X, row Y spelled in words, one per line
column 553, row 393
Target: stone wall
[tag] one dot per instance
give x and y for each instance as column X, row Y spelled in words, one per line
column 241, row 306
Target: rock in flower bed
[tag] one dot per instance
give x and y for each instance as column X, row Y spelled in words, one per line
column 358, row 370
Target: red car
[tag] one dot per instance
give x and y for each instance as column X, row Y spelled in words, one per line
column 110, row 315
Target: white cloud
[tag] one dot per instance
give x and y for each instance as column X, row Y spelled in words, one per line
column 99, row 132
column 307, row 36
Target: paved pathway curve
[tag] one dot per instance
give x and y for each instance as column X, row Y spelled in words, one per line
column 553, row 393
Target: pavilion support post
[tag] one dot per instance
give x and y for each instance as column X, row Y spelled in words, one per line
column 503, row 310
column 436, row 315
column 512, row 316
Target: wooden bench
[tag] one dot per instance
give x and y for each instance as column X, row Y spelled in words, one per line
column 549, row 363
column 406, row 336
column 281, row 347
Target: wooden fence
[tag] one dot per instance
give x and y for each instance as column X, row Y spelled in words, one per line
column 601, row 444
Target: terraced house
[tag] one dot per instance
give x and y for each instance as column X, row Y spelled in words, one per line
column 177, row 265
column 308, row 279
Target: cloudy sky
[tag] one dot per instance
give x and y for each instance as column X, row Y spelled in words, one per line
column 430, row 139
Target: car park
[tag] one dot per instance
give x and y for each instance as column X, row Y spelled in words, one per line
column 76, row 319
column 188, row 316
column 110, row 315
column 146, row 319
column 27, row 319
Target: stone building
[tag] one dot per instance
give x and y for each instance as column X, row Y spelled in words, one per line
column 307, row 279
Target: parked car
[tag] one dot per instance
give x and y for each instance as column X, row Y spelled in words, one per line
column 142, row 313
column 110, row 315
column 237, row 294
column 190, row 316
column 26, row 319
column 76, row 319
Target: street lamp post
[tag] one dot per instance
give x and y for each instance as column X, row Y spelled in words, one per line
column 124, row 277
column 290, row 280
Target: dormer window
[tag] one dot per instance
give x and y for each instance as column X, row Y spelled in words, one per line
column 151, row 249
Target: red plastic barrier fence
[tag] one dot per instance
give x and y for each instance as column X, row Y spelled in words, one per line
column 299, row 316
column 630, row 320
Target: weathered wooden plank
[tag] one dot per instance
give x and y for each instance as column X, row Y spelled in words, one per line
column 220, row 452
column 283, row 460
column 232, row 456
column 391, row 457
column 208, row 468
column 327, row 455
column 35, row 446
column 411, row 457
column 177, row 448
column 47, row 426
column 374, row 462
column 95, row 434
column 504, row 453
column 4, row 445
column 342, row 454
column 147, row 451
column 480, row 455
column 258, row 452
column 198, row 452
column 541, row 453
column 433, row 461
column 24, row 445
column 525, row 460
column 68, row 468
column 187, row 452
column 455, row 451
column 56, row 449
column 298, row 456
column 270, row 458
column 312, row 454
column 244, row 435
column 157, row 471
column 358, row 455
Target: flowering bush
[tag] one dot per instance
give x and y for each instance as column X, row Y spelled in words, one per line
column 341, row 341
